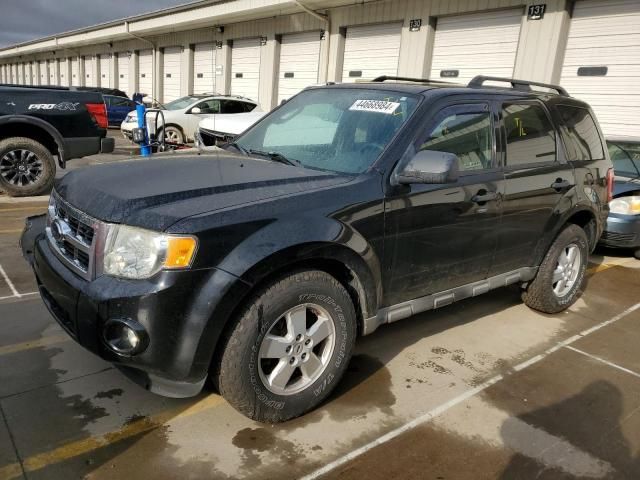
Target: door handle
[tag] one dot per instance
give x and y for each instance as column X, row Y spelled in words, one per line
column 483, row 196
column 560, row 184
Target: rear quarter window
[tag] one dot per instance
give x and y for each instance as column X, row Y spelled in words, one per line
column 580, row 134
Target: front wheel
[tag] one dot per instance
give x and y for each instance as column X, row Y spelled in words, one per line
column 289, row 347
column 173, row 135
column 561, row 273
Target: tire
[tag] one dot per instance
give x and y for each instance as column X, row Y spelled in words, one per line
column 547, row 296
column 173, row 135
column 247, row 363
column 637, row 254
column 27, row 167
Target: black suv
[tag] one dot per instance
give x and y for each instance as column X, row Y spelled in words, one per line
column 348, row 207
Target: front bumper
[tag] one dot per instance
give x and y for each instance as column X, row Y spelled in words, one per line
column 172, row 307
column 621, row 231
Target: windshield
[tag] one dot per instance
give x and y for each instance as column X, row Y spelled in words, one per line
column 625, row 158
column 180, row 103
column 340, row 130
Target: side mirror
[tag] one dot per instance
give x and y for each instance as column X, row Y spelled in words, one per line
column 430, row 166
column 196, row 110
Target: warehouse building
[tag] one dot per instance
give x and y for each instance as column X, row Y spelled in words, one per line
column 269, row 50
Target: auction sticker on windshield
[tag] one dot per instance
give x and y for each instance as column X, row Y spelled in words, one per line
column 379, row 106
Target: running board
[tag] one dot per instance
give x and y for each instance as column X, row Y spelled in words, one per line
column 442, row 299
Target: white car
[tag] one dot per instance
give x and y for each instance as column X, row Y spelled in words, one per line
column 182, row 116
column 220, row 129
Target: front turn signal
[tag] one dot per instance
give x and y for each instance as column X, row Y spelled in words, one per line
column 180, row 252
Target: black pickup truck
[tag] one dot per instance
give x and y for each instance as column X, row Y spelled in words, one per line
column 348, row 207
column 37, row 124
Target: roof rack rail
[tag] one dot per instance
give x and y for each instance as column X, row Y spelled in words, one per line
column 523, row 85
column 384, row 78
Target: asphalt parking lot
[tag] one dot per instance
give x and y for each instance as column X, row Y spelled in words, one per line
column 486, row 388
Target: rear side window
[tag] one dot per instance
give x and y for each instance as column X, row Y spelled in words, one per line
column 529, row 133
column 248, row 107
column 580, row 134
column 231, row 106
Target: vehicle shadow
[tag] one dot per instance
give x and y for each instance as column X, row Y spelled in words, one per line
column 588, row 436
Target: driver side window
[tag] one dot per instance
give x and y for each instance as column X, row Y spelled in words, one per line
column 468, row 135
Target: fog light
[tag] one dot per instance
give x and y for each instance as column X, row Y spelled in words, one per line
column 125, row 337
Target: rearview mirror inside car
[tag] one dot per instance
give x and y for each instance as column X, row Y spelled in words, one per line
column 429, row 166
column 196, row 110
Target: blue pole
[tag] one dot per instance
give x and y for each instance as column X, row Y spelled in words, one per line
column 145, row 149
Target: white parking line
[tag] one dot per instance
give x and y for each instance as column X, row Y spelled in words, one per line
column 21, row 295
column 9, row 282
column 459, row 399
column 606, row 362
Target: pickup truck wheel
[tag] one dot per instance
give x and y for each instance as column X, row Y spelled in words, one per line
column 26, row 167
column 289, row 347
column 561, row 273
column 637, row 253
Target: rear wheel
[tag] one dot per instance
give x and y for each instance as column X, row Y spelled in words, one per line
column 289, row 347
column 561, row 273
column 26, row 167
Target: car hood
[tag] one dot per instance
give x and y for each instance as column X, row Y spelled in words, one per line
column 233, row 123
column 157, row 192
column 623, row 184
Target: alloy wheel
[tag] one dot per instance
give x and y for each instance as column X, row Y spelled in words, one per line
column 296, row 350
column 567, row 270
column 21, row 167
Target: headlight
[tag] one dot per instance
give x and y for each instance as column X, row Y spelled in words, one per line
column 625, row 205
column 137, row 253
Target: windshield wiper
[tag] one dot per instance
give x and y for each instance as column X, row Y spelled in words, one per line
column 275, row 156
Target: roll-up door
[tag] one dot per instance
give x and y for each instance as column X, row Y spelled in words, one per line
column 105, row 71
column 123, row 73
column 53, row 72
column 245, row 68
column 370, row 51
column 476, row 44
column 43, row 78
column 64, row 72
column 299, row 60
column 89, row 76
column 204, row 68
column 21, row 73
column 171, row 74
column 602, row 62
column 145, row 71
column 75, row 72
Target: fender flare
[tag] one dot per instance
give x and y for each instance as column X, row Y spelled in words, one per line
column 47, row 127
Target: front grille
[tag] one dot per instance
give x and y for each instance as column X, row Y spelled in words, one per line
column 619, row 237
column 72, row 235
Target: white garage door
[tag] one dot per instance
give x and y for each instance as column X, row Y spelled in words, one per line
column 145, row 67
column 89, row 76
column 371, row 51
column 476, row 44
column 105, row 71
column 245, row 68
column 299, row 59
column 53, row 72
column 123, row 72
column 75, row 72
column 64, row 72
column 602, row 62
column 43, row 78
column 171, row 71
column 20, row 73
column 204, row 68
